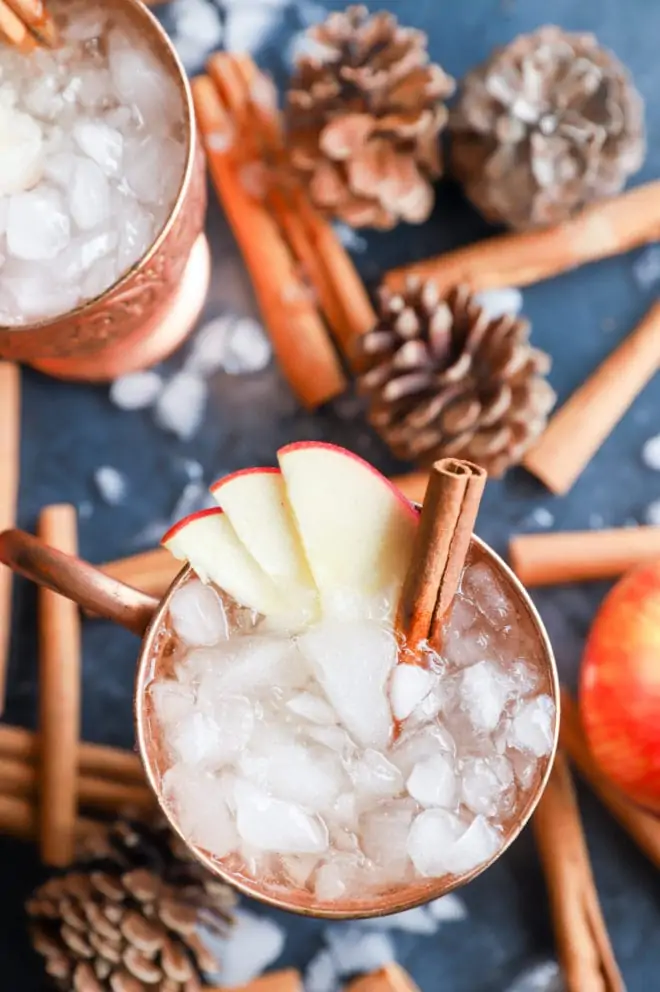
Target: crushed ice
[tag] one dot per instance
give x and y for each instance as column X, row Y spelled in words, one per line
column 500, row 302
column 136, row 390
column 542, row 517
column 652, row 514
column 181, row 404
column 252, row 944
column 651, row 453
column 544, row 977
column 248, row 26
column 196, row 31
column 111, row 484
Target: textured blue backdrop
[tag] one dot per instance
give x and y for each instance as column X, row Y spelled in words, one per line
column 70, row 430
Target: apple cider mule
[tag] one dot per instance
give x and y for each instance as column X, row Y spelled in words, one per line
column 302, row 751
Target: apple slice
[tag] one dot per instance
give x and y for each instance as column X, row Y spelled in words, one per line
column 256, row 504
column 210, row 544
column 356, row 527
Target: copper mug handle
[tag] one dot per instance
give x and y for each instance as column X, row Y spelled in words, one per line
column 76, row 579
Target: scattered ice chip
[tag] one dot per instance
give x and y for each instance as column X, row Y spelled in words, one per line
column 483, row 586
column 483, row 692
column 136, row 390
column 352, row 662
column 544, row 977
column 38, row 226
column 542, row 517
column 111, row 484
column 356, row 951
column 652, row 514
column 439, row 843
column 312, row 708
column 418, row 920
column 432, row 781
column 532, row 728
column 349, row 237
column 374, row 775
column 651, row 453
column 248, row 28
column 207, row 352
column 252, row 945
column 409, row 685
column 500, row 302
column 486, row 784
column 321, row 974
column 275, row 825
column 200, row 801
column 180, row 406
column 247, row 348
column 197, row 30
column 448, row 909
column 198, row 615
column 103, row 144
column 420, row 743
column 646, row 267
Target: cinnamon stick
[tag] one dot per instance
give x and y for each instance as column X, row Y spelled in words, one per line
column 643, row 827
column 441, row 544
column 34, row 15
column 95, row 761
column 583, row 946
column 277, row 981
column 10, row 433
column 609, row 227
column 59, row 698
column 342, row 294
column 302, row 346
column 20, row 818
column 21, row 779
column 14, row 31
column 391, row 978
column 580, row 556
column 578, row 429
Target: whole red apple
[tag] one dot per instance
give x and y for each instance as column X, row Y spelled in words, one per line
column 620, row 686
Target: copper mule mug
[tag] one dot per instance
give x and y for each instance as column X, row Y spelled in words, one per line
column 153, row 307
column 146, row 616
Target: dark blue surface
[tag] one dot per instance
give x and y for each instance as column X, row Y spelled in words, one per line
column 70, row 430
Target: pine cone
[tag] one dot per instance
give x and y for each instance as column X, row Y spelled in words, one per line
column 445, row 379
column 126, row 920
column 363, row 119
column 544, row 126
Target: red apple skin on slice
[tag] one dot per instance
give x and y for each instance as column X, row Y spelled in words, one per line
column 620, row 686
column 356, row 527
column 255, row 501
column 209, row 543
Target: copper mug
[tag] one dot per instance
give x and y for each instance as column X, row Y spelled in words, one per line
column 146, row 616
column 152, row 308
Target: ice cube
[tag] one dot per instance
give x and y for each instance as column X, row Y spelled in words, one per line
column 321, row 974
column 309, row 776
column 344, row 810
column 43, row 99
column 352, row 662
column 38, row 226
column 483, row 692
column 432, row 781
column 247, row 348
column 181, row 404
column 384, row 832
column 420, row 743
column 59, row 168
column 498, row 302
column 448, row 909
column 544, row 977
column 262, row 662
column 111, row 484
column 136, row 232
column 140, row 81
column 486, row 784
column 417, row 920
column 197, row 614
column 103, row 144
column 409, row 685
column 338, row 878
column 208, row 348
column 465, row 641
column 334, row 738
column 525, row 766
column 253, row 943
column 482, row 585
column 87, row 253
column 200, row 804
column 22, row 159
column 197, row 740
column 374, row 776
column 136, row 390
column 275, row 825
column 299, row 867
column 154, row 168
column 87, row 25
column 476, row 845
column 533, row 727
column 357, row 952
column 234, row 720
column 312, row 708
column 431, row 840
column 89, row 195
column 95, row 88
column 172, row 702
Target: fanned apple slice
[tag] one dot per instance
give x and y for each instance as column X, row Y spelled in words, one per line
column 356, row 527
column 256, row 504
column 210, row 544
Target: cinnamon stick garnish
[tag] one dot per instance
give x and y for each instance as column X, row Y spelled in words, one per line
column 580, row 556
column 92, row 760
column 391, row 978
column 643, row 827
column 10, row 432
column 606, row 228
column 20, row 818
column 59, row 698
column 300, row 341
column 583, row 945
column 277, row 981
column 578, row 429
column 441, row 544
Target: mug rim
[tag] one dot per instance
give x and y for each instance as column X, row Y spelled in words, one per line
column 395, row 901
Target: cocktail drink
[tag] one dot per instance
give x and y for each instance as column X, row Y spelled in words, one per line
column 299, row 743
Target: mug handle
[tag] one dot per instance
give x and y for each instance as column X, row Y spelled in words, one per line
column 86, row 585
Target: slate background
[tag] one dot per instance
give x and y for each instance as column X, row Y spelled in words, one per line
column 70, row 430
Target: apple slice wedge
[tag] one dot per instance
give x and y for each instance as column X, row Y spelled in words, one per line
column 210, row 544
column 256, row 503
column 356, row 527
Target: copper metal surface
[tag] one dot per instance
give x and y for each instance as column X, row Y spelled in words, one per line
column 140, row 302
column 143, row 614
